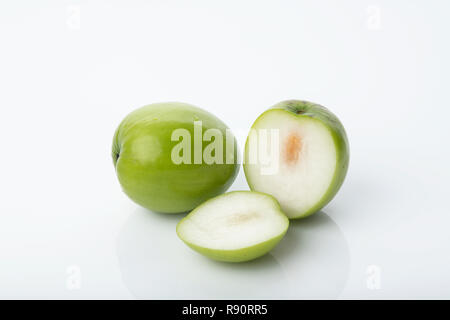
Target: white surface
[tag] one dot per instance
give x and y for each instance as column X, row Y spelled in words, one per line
column 67, row 230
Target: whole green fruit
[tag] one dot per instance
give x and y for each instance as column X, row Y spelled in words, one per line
column 170, row 157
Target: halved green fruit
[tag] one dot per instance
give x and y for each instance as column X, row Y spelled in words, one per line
column 307, row 154
column 234, row 227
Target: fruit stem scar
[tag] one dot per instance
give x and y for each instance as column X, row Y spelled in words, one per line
column 292, row 149
column 116, row 156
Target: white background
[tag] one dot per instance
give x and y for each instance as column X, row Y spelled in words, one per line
column 71, row 70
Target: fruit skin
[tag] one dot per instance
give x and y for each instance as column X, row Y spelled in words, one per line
column 141, row 155
column 243, row 254
column 299, row 109
column 240, row 255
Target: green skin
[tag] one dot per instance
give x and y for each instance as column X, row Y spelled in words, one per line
column 141, row 155
column 301, row 109
column 242, row 254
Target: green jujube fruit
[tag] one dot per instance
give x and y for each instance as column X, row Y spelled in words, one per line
column 170, row 157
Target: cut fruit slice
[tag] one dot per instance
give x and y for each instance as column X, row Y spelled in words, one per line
column 236, row 226
column 297, row 151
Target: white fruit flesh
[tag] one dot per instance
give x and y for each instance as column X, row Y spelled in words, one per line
column 234, row 221
column 303, row 167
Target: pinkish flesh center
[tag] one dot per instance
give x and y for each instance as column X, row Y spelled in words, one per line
column 292, row 148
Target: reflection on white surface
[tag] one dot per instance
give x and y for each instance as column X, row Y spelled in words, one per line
column 315, row 256
column 311, row 261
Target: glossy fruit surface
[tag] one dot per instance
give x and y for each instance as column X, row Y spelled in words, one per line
column 146, row 154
